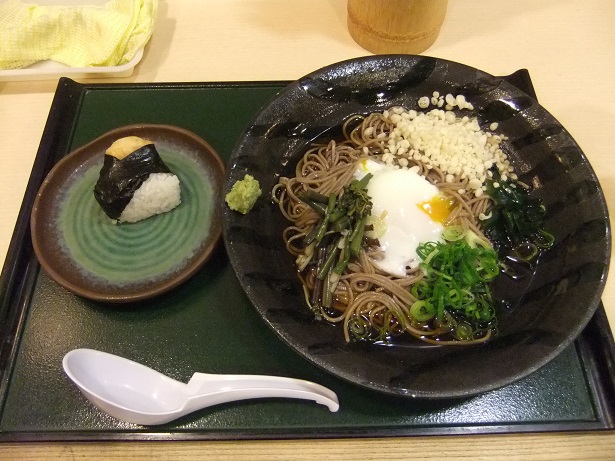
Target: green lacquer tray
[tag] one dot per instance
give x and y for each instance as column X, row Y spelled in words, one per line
column 208, row 324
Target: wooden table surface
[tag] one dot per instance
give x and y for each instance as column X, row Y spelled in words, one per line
column 569, row 48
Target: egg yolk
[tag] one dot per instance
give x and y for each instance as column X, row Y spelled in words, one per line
column 438, row 208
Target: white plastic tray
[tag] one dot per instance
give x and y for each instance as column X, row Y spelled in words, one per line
column 48, row 70
column 51, row 70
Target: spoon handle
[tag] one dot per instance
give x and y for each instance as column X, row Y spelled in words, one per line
column 227, row 388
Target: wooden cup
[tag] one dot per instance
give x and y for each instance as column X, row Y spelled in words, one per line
column 395, row 26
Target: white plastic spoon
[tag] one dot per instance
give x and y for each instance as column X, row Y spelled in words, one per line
column 132, row 392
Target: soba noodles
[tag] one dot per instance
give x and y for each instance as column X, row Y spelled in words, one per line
column 371, row 303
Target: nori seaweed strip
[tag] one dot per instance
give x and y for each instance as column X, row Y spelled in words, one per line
column 120, row 179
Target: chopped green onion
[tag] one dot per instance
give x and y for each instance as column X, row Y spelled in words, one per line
column 453, row 233
column 544, row 239
column 422, row 311
column 455, row 286
column 525, row 251
column 463, row 331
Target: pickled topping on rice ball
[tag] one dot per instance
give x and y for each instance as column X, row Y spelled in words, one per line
column 134, row 182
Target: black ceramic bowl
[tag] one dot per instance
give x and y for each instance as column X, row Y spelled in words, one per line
column 556, row 303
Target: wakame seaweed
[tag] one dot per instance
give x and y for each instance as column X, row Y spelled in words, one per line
column 516, row 221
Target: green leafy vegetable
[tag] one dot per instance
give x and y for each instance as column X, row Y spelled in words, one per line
column 338, row 236
column 516, row 222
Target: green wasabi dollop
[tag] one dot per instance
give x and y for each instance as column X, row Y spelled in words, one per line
column 243, row 194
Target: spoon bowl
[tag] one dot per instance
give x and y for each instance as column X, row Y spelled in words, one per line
column 135, row 393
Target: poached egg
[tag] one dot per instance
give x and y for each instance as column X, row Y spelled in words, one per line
column 412, row 209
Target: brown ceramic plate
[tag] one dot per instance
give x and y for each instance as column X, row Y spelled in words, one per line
column 85, row 252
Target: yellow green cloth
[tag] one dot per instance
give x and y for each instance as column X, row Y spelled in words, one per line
column 78, row 36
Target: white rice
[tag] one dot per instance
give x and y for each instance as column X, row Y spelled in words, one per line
column 158, row 194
